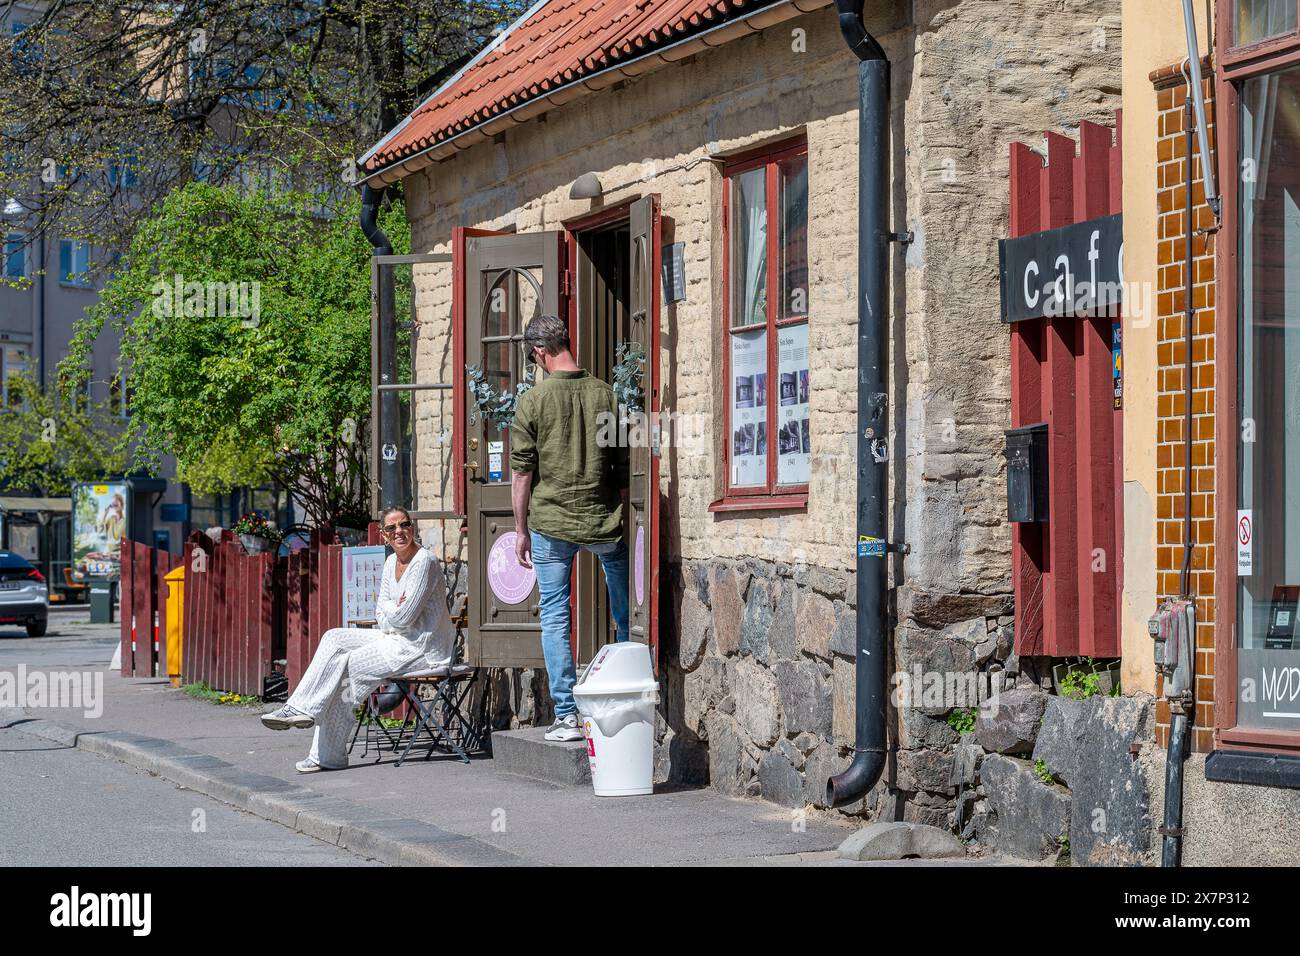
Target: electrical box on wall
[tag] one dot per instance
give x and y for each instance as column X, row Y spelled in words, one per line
column 1027, row 473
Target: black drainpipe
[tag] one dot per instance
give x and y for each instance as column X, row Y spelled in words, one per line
column 873, row 260
column 390, row 470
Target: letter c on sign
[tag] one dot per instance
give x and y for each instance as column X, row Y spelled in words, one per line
column 1031, row 266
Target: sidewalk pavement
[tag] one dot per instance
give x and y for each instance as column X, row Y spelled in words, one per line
column 440, row 811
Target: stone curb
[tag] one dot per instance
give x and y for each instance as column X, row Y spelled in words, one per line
column 390, row 839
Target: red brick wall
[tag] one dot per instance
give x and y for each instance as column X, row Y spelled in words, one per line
column 1171, row 179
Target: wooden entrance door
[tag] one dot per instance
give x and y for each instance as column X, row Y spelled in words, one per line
column 643, row 493
column 509, row 279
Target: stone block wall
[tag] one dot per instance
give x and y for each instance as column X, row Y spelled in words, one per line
column 758, row 618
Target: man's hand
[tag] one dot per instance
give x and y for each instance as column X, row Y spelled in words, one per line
column 524, row 549
column 521, row 489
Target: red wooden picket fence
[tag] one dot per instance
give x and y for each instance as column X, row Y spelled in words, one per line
column 233, row 630
column 314, row 597
column 246, row 616
column 1062, row 374
column 143, row 611
column 313, row 600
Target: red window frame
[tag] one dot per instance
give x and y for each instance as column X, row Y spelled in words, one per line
column 1237, row 64
column 1231, row 55
column 770, row 495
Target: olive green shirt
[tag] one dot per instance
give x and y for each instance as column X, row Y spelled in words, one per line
column 565, row 433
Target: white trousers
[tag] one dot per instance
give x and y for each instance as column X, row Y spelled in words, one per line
column 349, row 664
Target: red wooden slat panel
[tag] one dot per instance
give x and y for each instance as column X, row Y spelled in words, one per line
column 162, row 566
column 1026, row 406
column 218, row 612
column 246, row 601
column 1062, row 374
column 1094, row 416
column 151, row 585
column 198, row 609
column 188, row 639
column 1060, row 586
column 124, row 611
column 266, row 620
column 143, row 617
column 244, row 598
column 296, row 617
column 229, row 597
column 198, row 589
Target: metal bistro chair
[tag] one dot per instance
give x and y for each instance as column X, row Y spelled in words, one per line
column 433, row 721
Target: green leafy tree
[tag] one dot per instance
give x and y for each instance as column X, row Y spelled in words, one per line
column 49, row 445
column 245, row 330
column 107, row 107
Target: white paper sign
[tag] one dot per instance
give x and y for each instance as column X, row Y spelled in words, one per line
column 792, row 439
column 1245, row 542
column 363, row 572
column 495, row 450
column 748, row 408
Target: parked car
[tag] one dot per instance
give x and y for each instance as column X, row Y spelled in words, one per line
column 24, row 595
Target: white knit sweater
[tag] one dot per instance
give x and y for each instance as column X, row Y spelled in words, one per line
column 421, row 618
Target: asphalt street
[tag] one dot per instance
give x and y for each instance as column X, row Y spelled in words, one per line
column 66, row 807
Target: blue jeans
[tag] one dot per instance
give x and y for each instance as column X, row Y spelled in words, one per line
column 553, row 562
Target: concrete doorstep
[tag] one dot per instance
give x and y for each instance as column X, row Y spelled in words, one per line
column 368, row 832
column 528, row 753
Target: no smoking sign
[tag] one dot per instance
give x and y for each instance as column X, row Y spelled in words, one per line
column 1245, row 539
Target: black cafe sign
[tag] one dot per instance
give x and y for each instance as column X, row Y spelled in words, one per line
column 1066, row 271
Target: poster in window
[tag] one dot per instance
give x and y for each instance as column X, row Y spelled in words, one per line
column 748, row 408
column 792, row 436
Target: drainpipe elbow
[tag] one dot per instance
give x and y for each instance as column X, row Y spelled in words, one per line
column 862, row 43
column 859, row 777
column 370, row 201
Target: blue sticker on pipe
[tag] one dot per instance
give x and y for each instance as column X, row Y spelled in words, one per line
column 870, row 547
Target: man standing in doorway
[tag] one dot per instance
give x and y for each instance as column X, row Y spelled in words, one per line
column 568, row 490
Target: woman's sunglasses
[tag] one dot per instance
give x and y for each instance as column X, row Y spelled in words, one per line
column 401, row 525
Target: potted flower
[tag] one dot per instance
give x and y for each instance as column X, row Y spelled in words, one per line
column 350, row 522
column 256, row 534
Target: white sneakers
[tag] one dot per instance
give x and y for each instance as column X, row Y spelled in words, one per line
column 287, row 717
column 565, row 729
column 311, row 766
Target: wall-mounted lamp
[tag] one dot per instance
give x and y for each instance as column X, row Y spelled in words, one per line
column 586, row 186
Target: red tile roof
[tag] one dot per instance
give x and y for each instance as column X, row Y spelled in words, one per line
column 561, row 43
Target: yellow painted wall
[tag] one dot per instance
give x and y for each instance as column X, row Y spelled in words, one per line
column 1153, row 38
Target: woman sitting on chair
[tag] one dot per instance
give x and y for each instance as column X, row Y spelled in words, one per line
column 414, row 633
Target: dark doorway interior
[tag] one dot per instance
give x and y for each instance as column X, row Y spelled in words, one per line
column 602, row 287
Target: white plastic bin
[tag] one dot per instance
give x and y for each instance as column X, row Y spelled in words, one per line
column 616, row 697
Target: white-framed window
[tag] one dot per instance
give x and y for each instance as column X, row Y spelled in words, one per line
column 74, row 263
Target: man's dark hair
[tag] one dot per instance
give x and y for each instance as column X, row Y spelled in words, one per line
column 550, row 332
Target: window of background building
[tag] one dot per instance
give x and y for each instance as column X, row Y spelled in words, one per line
column 74, row 263
column 15, row 256
column 14, row 361
column 119, row 396
column 767, row 444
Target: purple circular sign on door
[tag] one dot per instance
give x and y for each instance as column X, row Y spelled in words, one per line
column 639, row 574
column 510, row 581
